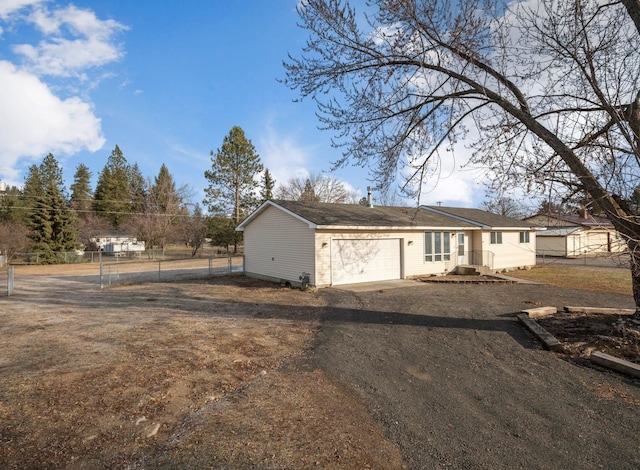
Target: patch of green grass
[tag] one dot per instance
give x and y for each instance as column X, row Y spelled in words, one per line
column 590, row 278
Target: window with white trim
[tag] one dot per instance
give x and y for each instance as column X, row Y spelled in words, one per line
column 496, row 238
column 437, row 246
column 524, row 237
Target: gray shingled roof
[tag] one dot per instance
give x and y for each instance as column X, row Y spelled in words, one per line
column 480, row 217
column 356, row 215
column 557, row 232
column 590, row 221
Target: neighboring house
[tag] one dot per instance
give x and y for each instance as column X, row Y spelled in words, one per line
column 572, row 236
column 349, row 243
column 115, row 242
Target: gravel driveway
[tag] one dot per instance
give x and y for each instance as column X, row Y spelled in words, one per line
column 456, row 381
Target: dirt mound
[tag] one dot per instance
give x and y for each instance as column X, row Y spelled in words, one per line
column 583, row 333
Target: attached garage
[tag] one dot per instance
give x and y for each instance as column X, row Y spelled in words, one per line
column 365, row 260
column 337, row 244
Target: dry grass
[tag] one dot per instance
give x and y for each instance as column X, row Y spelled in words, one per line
column 595, row 279
column 200, row 374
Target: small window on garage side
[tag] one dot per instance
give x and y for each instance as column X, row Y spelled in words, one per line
column 496, row 238
column 524, row 237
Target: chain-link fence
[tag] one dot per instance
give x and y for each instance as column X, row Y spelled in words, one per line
column 79, row 256
column 610, row 260
column 65, row 257
column 120, row 272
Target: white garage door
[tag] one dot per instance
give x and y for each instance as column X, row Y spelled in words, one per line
column 355, row 261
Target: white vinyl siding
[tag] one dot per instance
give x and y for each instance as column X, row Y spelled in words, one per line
column 279, row 246
column 511, row 253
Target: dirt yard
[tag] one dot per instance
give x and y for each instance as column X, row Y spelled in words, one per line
column 190, row 375
column 234, row 373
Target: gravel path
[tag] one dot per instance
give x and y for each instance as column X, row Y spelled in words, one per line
column 457, row 382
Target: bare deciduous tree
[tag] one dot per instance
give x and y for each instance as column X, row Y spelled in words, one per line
column 317, row 187
column 14, row 238
column 551, row 86
column 90, row 226
column 161, row 211
column 506, row 206
column 194, row 228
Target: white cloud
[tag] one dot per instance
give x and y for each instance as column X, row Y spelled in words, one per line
column 454, row 189
column 91, row 42
column 283, row 156
column 449, row 178
column 34, row 121
column 8, row 7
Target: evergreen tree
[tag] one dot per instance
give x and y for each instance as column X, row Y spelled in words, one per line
column 309, row 193
column 232, row 176
column 112, row 198
column 12, row 207
column 31, row 190
column 222, row 231
column 138, row 190
column 159, row 210
column 164, row 190
column 54, row 228
column 81, row 193
column 268, row 183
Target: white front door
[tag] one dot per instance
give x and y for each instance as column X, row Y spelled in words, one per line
column 462, row 258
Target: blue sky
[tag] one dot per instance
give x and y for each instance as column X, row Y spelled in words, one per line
column 165, row 81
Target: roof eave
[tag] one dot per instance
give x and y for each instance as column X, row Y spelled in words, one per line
column 263, row 207
column 392, row 228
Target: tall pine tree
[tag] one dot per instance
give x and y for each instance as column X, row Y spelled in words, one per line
column 12, row 208
column 112, row 198
column 232, row 184
column 31, row 190
column 138, row 190
column 53, row 225
column 164, row 191
column 268, row 183
column 81, row 194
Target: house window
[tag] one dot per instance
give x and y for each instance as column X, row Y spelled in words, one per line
column 437, row 246
column 496, row 238
column 524, row 237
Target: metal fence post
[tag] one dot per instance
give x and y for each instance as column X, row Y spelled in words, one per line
column 159, row 270
column 210, row 266
column 10, row 280
column 101, row 276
